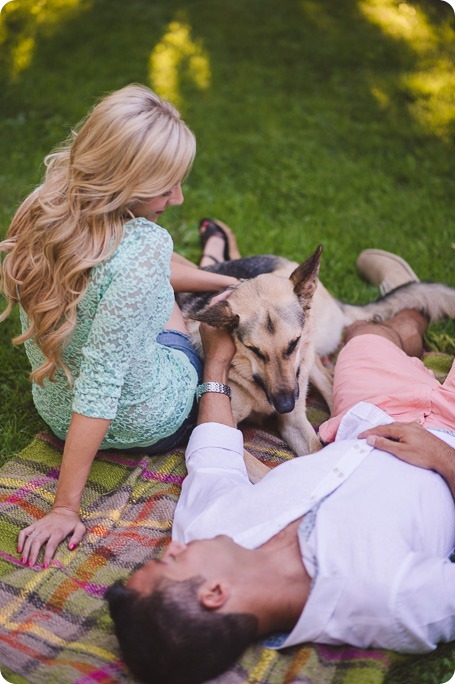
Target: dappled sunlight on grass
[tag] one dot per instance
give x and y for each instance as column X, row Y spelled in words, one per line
column 402, row 21
column 430, row 84
column 22, row 56
column 381, row 97
column 318, row 14
column 19, row 38
column 177, row 55
column 434, row 90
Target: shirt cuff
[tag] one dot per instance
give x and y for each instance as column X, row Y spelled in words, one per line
column 214, row 436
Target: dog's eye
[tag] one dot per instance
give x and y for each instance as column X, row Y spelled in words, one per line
column 292, row 347
column 258, row 353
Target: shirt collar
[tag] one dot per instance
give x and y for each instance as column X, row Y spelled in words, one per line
column 318, row 610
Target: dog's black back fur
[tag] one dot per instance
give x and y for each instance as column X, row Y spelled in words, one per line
column 248, row 267
column 244, row 268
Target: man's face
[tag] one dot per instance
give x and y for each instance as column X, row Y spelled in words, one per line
column 183, row 561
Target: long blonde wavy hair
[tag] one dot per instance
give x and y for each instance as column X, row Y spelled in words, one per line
column 131, row 147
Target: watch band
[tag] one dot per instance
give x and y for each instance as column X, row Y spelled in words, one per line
column 219, row 387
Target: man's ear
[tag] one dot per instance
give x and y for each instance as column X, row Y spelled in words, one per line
column 213, row 595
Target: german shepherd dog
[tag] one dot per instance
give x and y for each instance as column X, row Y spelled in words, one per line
column 282, row 319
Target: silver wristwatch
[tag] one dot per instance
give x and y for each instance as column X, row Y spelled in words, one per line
column 219, row 387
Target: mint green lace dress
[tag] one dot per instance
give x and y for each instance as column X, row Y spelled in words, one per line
column 119, row 370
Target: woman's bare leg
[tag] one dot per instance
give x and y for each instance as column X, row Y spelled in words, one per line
column 215, row 246
column 213, row 251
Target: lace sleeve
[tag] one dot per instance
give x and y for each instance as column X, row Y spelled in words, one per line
column 135, row 302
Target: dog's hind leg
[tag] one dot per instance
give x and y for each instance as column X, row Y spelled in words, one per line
column 321, row 379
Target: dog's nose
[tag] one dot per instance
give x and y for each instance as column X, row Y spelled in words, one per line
column 283, row 402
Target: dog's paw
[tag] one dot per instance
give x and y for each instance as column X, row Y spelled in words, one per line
column 315, row 445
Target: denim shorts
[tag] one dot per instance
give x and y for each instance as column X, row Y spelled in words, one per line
column 177, row 340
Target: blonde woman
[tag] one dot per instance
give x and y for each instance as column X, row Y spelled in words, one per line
column 95, row 276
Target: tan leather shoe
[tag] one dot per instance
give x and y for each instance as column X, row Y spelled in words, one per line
column 385, row 269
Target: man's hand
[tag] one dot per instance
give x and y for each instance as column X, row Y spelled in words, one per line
column 219, row 347
column 408, row 441
column 49, row 531
column 412, row 443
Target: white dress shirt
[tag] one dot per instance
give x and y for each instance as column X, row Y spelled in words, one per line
column 375, row 541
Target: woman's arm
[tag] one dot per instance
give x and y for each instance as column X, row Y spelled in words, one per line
column 188, row 279
column 179, row 259
column 412, row 443
column 136, row 275
column 82, row 443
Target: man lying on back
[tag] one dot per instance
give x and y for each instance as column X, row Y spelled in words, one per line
column 347, row 545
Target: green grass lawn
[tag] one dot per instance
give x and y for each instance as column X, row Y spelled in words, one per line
column 325, row 121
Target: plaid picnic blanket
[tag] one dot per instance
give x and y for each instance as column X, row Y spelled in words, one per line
column 54, row 623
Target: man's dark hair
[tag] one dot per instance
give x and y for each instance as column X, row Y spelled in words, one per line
column 167, row 637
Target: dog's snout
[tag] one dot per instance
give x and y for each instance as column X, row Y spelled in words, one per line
column 283, row 402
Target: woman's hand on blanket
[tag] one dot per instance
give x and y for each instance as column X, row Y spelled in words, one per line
column 49, row 532
column 412, row 443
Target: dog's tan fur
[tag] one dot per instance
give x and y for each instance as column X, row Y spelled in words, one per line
column 272, row 323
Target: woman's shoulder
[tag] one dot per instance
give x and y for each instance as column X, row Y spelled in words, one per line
column 140, row 229
column 144, row 247
column 143, row 239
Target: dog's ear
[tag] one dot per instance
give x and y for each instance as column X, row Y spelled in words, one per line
column 305, row 276
column 219, row 316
